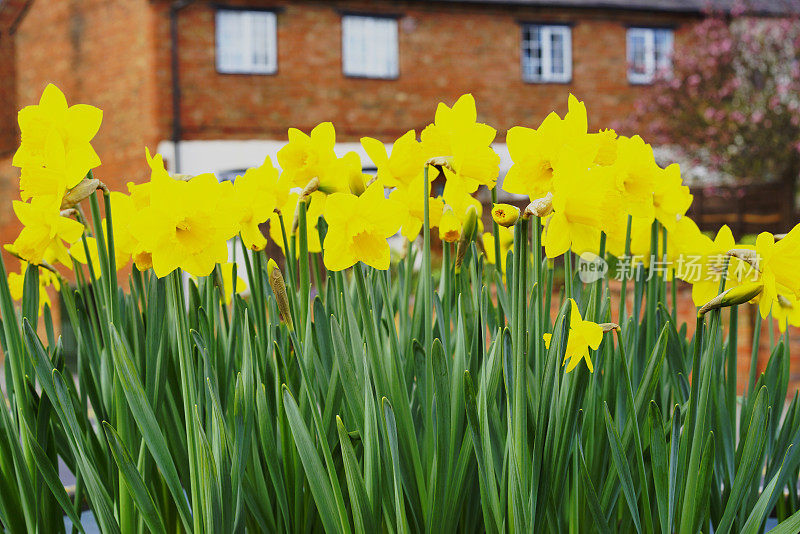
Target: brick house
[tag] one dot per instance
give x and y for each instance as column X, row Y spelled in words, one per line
column 223, row 80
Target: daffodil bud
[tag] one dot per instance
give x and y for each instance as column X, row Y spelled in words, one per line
column 79, row 193
column 279, row 288
column 541, row 207
column 505, row 214
column 785, row 303
column 441, row 161
column 733, row 297
column 467, row 235
column 69, row 212
column 609, row 327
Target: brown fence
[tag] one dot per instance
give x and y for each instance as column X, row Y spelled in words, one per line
column 746, row 208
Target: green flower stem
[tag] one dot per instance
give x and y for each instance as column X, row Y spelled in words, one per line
column 733, row 356
column 568, row 274
column 408, row 271
column 652, row 290
column 446, row 289
column 674, row 288
column 662, row 285
column 751, row 381
column 290, row 266
column 598, row 285
column 106, row 283
column 254, row 265
column 623, row 290
column 496, row 233
column 536, row 249
column 305, row 283
column 771, row 330
column 112, row 260
column 548, row 297
column 427, row 325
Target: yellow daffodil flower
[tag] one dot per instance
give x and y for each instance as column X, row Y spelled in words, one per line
column 671, row 199
column 403, row 165
column 584, row 204
column 634, row 171
column 536, row 152
column 53, row 126
column 123, row 213
column 582, row 336
column 187, row 224
column 458, row 197
column 125, row 244
column 456, row 133
column 344, row 175
column 257, row 193
column 506, row 240
column 78, row 253
column 140, row 194
column 701, row 264
column 45, row 231
column 16, row 284
column 777, row 262
column 606, row 146
column 50, row 178
column 786, row 310
column 306, row 156
column 411, row 197
column 358, row 227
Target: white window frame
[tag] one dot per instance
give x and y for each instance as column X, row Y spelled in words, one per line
column 546, row 31
column 359, row 61
column 247, row 41
column 648, row 35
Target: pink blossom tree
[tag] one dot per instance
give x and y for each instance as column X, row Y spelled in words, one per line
column 732, row 99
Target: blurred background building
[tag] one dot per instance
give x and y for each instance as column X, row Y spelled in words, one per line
column 214, row 86
column 223, row 81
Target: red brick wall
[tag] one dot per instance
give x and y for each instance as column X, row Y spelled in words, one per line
column 445, row 51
